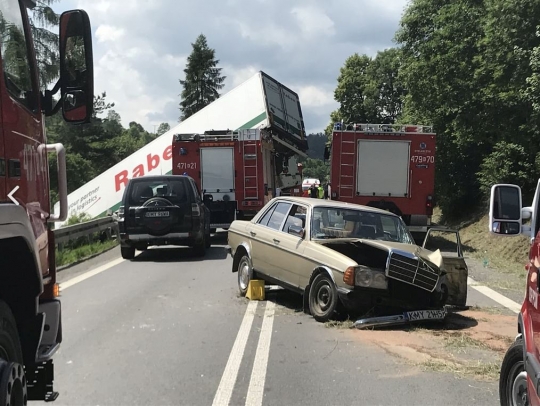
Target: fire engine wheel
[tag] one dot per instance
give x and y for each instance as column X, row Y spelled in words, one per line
column 323, row 298
column 513, row 378
column 13, row 390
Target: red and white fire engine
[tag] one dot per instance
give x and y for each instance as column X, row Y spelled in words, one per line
column 391, row 167
column 238, row 172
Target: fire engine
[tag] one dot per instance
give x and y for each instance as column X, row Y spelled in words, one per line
column 391, row 167
column 238, row 172
column 30, row 311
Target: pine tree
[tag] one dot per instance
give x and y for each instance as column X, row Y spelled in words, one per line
column 203, row 79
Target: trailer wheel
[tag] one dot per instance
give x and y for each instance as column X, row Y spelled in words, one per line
column 13, row 389
column 513, row 377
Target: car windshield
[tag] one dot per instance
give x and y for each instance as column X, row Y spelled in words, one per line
column 173, row 190
column 333, row 222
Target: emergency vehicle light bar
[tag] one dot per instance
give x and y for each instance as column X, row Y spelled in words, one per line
column 384, row 128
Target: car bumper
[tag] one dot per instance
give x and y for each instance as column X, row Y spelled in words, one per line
column 359, row 299
column 167, row 239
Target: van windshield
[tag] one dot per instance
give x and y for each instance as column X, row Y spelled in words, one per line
column 176, row 191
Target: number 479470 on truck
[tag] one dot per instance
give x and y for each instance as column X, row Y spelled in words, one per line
column 30, row 311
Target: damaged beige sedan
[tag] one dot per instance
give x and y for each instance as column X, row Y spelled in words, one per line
column 343, row 256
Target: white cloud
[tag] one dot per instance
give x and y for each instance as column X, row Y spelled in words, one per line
column 141, row 47
column 106, row 33
column 313, row 22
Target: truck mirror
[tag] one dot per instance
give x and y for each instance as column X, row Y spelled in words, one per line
column 505, row 210
column 76, row 66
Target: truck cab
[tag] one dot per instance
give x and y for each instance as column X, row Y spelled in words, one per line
column 30, row 311
column 519, row 382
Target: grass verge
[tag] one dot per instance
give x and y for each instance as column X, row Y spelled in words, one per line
column 71, row 255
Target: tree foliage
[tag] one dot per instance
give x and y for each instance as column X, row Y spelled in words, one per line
column 43, row 20
column 203, row 79
column 93, row 148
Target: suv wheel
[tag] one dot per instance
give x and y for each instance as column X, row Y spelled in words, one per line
column 200, row 248
column 127, row 252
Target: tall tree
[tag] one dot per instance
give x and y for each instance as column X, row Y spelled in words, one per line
column 203, row 79
column 42, row 20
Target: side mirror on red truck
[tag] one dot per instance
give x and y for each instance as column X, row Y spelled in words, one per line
column 76, row 83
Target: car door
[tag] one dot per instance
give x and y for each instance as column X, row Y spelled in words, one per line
column 290, row 256
column 457, row 272
column 255, row 232
column 269, row 236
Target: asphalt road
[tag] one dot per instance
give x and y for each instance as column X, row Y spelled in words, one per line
column 169, row 329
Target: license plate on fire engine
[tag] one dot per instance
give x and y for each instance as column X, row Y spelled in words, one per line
column 157, row 214
column 420, row 315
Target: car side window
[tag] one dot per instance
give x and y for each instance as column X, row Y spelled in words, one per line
column 195, row 191
column 278, row 216
column 14, row 48
column 296, row 217
column 264, row 219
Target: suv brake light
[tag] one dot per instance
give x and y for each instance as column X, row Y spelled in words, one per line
column 429, row 205
column 195, row 210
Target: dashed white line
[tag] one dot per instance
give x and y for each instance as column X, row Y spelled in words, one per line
column 89, row 274
column 228, row 380
column 258, row 375
column 496, row 296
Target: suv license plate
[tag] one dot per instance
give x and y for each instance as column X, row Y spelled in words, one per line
column 157, row 214
column 426, row 315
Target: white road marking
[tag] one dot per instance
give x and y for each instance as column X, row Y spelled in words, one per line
column 89, row 274
column 258, row 374
column 502, row 300
column 228, row 380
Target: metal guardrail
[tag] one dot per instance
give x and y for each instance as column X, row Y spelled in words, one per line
column 75, row 231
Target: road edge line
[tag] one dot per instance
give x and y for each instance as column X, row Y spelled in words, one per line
column 493, row 295
column 77, row 279
column 255, row 391
column 230, row 373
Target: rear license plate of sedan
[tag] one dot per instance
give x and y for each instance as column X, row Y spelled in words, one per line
column 420, row 315
column 157, row 214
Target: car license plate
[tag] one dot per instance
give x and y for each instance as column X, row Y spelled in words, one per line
column 157, row 214
column 420, row 315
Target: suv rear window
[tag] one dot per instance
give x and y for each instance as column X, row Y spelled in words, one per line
column 176, row 191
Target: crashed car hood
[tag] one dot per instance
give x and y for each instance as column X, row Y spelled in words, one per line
column 434, row 257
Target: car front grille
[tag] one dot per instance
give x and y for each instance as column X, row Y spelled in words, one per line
column 412, row 271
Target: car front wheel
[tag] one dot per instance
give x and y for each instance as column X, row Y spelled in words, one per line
column 323, row 298
column 513, row 378
column 245, row 274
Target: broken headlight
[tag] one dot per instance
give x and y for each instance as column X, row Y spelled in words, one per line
column 369, row 278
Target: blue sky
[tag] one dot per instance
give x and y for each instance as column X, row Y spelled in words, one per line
column 141, row 46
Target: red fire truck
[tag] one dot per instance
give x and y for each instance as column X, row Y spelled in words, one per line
column 238, row 172
column 30, row 311
column 391, row 167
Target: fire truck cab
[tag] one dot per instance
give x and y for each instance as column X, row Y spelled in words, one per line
column 237, row 172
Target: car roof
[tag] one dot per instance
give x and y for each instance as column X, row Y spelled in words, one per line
column 331, row 203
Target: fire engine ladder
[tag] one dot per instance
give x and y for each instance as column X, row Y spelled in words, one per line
column 347, row 164
column 251, row 173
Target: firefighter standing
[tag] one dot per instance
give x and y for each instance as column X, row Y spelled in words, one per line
column 313, row 191
column 320, row 192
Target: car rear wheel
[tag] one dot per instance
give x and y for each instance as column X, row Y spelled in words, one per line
column 13, row 389
column 513, row 378
column 127, row 252
column 245, row 274
column 323, row 298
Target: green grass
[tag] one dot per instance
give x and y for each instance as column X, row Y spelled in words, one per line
column 70, row 255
